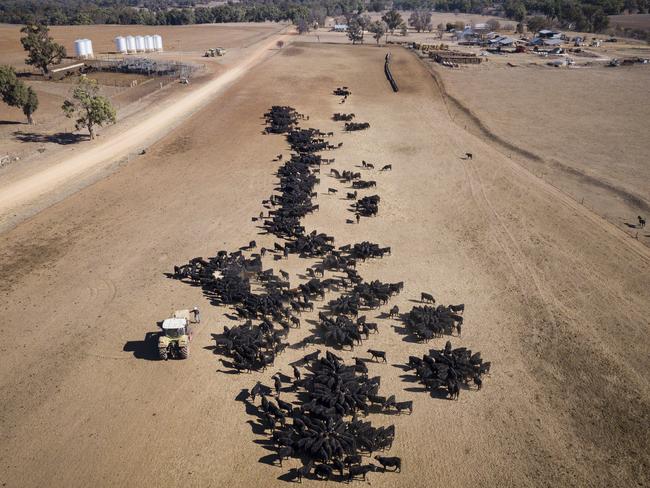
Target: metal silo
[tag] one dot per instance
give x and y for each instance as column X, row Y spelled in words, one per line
column 148, row 43
column 120, row 44
column 130, row 44
column 157, row 42
column 89, row 48
column 139, row 43
column 80, row 49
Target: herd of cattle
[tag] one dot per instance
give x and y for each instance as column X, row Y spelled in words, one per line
column 321, row 427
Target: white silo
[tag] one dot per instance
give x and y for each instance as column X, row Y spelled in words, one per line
column 80, row 49
column 120, row 44
column 89, row 48
column 139, row 43
column 148, row 43
column 130, row 44
column 157, row 42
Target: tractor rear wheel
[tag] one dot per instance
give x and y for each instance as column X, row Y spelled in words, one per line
column 162, row 353
column 183, row 352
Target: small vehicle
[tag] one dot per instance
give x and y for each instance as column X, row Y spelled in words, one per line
column 213, row 52
column 174, row 339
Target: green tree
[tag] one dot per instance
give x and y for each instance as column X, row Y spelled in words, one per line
column 41, row 48
column 537, row 23
column 355, row 31
column 16, row 94
column 30, row 104
column 302, row 24
column 393, row 20
column 91, row 108
column 420, row 20
column 378, row 29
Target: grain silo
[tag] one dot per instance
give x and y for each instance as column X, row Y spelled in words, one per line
column 89, row 48
column 157, row 42
column 120, row 45
column 148, row 43
column 80, row 49
column 139, row 44
column 130, row 44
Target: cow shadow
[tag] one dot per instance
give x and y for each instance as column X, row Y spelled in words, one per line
column 146, row 349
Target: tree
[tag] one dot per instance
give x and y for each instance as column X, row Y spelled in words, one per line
column 30, row 104
column 41, row 48
column 302, row 24
column 378, row 29
column 493, row 25
column 420, row 20
column 355, row 31
column 393, row 20
column 16, row 94
column 91, row 108
column 536, row 23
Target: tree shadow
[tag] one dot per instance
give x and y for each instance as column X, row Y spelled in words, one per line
column 145, row 349
column 62, row 138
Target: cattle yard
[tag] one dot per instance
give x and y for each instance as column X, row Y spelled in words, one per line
column 385, row 297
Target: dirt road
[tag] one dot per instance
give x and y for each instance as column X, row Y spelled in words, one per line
column 18, row 193
column 554, row 298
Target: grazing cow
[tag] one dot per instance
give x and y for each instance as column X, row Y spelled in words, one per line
column 256, row 390
column 323, row 472
column 284, row 274
column 356, row 471
column 370, row 166
column 332, row 190
column 284, row 453
column 377, row 355
column 372, row 326
column 296, row 373
column 351, row 196
column 426, row 297
column 478, row 382
column 393, row 311
column 469, row 155
column 352, row 459
column 295, row 321
column 299, row 473
column 641, row 221
column 408, row 405
column 390, row 462
column 277, row 383
column 457, row 308
column 388, row 167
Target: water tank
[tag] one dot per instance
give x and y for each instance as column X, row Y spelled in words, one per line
column 120, row 44
column 80, row 49
column 139, row 43
column 148, row 43
column 89, row 48
column 130, row 44
column 157, row 42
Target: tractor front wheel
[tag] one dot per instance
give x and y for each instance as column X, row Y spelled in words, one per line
column 183, row 352
column 162, row 353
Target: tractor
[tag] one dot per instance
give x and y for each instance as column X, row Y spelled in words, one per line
column 213, row 52
column 174, row 339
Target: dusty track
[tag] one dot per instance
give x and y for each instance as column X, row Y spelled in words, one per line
column 556, row 302
column 120, row 144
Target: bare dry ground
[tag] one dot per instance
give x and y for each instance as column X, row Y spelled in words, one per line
column 556, row 298
column 585, row 130
column 53, row 129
